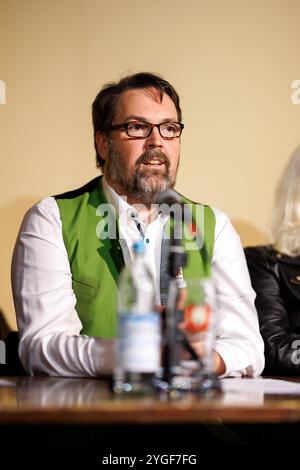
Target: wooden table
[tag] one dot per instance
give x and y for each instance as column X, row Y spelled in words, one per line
column 80, row 420
column 90, row 401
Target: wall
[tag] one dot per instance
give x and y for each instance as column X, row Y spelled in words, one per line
column 232, row 62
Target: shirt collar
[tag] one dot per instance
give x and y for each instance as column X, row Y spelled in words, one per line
column 121, row 205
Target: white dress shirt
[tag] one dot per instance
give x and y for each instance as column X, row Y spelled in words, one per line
column 129, row 232
column 45, row 303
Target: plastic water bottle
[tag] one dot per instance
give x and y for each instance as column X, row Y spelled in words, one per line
column 139, row 336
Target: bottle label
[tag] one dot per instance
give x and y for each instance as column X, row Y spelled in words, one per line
column 139, row 342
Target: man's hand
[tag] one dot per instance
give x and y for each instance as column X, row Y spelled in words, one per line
column 196, row 340
column 219, row 364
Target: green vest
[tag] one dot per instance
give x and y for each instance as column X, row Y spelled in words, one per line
column 96, row 260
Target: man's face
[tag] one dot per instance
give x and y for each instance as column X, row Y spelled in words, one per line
column 140, row 168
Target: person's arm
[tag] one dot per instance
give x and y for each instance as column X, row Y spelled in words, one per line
column 280, row 349
column 49, row 326
column 239, row 345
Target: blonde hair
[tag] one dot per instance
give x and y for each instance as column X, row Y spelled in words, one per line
column 285, row 221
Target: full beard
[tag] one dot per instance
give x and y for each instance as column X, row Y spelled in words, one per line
column 144, row 183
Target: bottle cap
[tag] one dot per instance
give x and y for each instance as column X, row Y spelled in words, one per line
column 197, row 317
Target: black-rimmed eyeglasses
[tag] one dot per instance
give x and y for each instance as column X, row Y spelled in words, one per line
column 142, row 129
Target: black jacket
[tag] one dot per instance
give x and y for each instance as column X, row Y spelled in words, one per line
column 276, row 280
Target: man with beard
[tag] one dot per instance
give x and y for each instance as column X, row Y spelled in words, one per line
column 65, row 270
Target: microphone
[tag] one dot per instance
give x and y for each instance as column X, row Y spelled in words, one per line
column 180, row 210
column 173, row 204
column 168, row 197
column 170, row 204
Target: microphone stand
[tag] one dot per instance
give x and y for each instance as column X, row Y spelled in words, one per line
column 210, row 383
column 177, row 260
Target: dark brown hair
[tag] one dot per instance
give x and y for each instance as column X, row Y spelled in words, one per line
column 105, row 103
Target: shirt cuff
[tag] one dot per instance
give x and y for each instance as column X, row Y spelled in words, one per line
column 236, row 361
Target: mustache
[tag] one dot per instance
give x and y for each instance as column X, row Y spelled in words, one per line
column 153, row 154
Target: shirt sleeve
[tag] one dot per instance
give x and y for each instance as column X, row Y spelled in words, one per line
column 49, row 326
column 238, row 342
